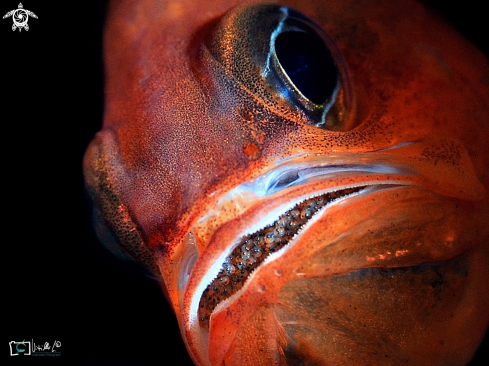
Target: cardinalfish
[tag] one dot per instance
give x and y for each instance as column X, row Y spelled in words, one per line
column 307, row 180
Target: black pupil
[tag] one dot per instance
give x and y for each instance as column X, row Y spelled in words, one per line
column 308, row 63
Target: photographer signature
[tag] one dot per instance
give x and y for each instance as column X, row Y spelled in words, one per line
column 46, row 347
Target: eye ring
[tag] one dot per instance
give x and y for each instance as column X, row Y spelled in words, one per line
column 247, row 43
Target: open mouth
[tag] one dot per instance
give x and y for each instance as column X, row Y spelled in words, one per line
column 310, row 185
column 252, row 250
column 311, row 216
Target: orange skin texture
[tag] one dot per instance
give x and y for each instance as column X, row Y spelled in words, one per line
column 180, row 133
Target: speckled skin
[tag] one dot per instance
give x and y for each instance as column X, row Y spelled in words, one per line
column 389, row 277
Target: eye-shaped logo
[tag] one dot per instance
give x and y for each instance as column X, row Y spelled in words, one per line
column 20, row 17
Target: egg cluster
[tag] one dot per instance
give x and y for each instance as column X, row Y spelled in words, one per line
column 254, row 248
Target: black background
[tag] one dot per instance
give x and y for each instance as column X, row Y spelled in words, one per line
column 59, row 282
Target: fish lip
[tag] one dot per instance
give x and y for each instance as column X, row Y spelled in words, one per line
column 295, row 173
column 299, row 172
column 304, row 168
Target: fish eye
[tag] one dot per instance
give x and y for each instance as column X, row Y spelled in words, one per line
column 307, row 62
column 286, row 61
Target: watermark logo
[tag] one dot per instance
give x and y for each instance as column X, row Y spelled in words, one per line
column 30, row 348
column 20, row 17
column 20, row 348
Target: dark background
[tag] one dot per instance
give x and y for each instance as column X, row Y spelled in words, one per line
column 59, row 282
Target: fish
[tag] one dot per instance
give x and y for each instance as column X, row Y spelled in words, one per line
column 306, row 180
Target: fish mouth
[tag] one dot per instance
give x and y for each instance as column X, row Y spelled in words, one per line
column 288, row 198
column 260, row 220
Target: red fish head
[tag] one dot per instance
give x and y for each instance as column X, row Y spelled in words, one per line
column 307, row 180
